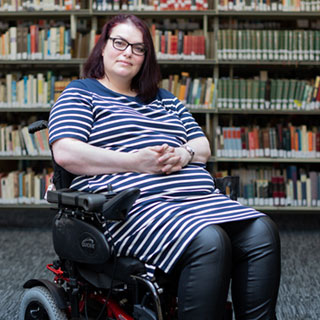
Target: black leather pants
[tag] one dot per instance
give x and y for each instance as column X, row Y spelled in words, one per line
column 246, row 251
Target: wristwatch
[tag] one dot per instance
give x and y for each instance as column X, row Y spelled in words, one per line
column 190, row 150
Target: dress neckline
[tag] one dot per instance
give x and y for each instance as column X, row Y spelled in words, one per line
column 114, row 92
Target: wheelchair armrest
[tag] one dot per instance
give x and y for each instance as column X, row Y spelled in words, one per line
column 71, row 198
column 228, row 185
column 112, row 208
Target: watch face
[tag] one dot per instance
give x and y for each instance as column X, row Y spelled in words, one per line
column 190, row 150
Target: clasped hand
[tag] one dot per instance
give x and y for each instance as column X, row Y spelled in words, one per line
column 162, row 159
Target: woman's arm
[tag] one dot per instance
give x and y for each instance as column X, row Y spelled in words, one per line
column 201, row 147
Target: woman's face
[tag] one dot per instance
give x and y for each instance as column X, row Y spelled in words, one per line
column 123, row 64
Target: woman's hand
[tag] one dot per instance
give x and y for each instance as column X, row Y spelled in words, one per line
column 158, row 159
column 162, row 159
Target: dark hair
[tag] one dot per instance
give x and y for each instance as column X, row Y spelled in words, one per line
column 146, row 81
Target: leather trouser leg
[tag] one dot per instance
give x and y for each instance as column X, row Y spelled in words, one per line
column 204, row 276
column 256, row 267
column 205, row 269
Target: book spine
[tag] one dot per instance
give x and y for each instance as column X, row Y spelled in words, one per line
column 23, row 187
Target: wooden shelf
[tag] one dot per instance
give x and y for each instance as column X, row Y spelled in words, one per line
column 287, row 209
column 266, row 63
column 46, row 14
column 269, row 15
column 24, row 109
column 267, row 111
column 267, row 160
column 32, row 158
column 25, row 206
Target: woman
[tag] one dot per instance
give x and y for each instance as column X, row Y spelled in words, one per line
column 116, row 127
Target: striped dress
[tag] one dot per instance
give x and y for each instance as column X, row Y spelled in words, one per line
column 171, row 209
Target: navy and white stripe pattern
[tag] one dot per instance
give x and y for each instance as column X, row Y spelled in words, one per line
column 173, row 208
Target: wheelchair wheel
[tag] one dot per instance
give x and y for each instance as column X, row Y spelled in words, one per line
column 38, row 304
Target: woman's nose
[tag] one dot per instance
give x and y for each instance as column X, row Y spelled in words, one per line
column 128, row 50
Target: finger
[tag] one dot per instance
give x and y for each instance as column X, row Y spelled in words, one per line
column 169, row 158
column 172, row 162
column 170, row 169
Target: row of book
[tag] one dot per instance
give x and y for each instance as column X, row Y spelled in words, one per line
column 269, row 45
column 180, row 45
column 42, row 90
column 41, row 41
column 269, row 5
column 195, row 93
column 248, row 94
column 24, row 187
column 32, row 90
column 36, row 41
column 15, row 140
column 150, row 5
column 273, row 94
column 270, row 142
column 40, row 5
column 292, row 186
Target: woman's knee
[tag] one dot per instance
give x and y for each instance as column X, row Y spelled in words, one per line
column 211, row 242
column 267, row 232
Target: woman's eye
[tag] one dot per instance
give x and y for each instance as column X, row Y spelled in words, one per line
column 120, row 43
column 140, row 49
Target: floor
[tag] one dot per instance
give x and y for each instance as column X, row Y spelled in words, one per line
column 24, row 253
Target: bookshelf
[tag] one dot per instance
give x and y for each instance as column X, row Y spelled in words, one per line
column 234, row 62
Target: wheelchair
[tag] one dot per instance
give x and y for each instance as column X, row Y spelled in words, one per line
column 89, row 281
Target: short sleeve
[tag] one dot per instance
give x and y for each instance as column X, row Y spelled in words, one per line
column 71, row 116
column 170, row 101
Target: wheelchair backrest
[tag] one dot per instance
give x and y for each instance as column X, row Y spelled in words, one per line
column 61, row 177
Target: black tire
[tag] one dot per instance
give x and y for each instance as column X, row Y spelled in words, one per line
column 38, row 304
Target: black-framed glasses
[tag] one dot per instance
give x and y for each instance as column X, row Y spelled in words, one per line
column 120, row 44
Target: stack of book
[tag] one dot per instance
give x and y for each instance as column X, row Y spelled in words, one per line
column 269, row 45
column 15, row 140
column 24, row 187
column 269, row 5
column 150, row 5
column 194, row 93
column 271, row 187
column 297, row 142
column 36, row 41
column 31, row 90
column 273, row 94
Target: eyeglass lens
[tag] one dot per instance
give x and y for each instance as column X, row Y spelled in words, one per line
column 121, row 44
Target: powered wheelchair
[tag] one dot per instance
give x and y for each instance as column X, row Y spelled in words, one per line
column 89, row 282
